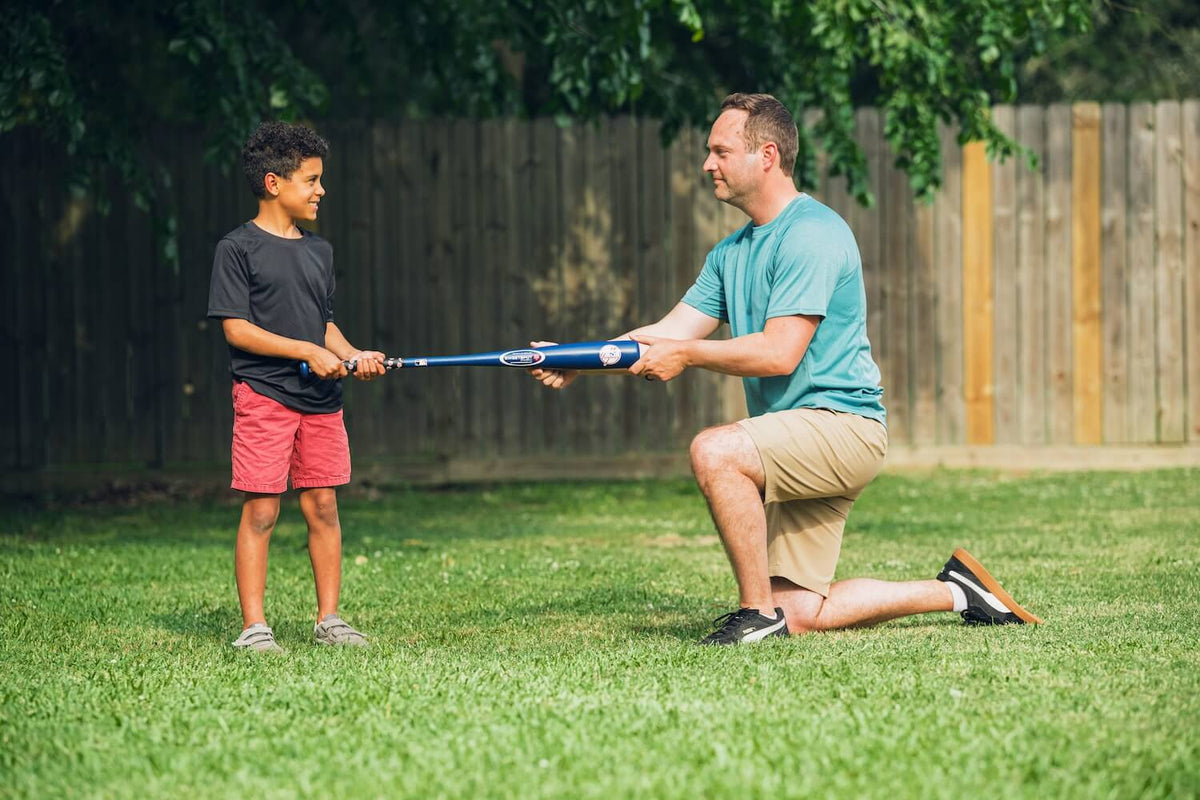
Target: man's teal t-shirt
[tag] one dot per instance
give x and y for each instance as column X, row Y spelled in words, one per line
column 805, row 261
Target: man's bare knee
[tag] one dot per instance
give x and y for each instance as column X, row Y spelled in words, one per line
column 801, row 607
column 726, row 448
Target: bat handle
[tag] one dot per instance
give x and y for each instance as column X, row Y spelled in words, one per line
column 351, row 366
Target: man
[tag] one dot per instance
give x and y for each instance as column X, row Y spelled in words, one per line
column 781, row 483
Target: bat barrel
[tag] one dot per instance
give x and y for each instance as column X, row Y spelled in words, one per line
column 591, row 355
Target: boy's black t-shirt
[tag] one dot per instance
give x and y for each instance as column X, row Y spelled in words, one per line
column 284, row 286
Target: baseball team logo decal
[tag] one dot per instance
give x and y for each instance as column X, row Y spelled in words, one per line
column 522, row 358
column 610, row 354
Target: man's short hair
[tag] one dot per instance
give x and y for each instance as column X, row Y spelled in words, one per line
column 278, row 147
column 768, row 120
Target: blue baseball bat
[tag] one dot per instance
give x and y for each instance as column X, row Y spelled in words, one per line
column 576, row 356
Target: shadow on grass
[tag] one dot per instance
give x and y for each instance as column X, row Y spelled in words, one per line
column 222, row 625
column 675, row 631
column 202, row 622
column 699, row 628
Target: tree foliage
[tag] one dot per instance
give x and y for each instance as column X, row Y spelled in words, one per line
column 1135, row 51
column 99, row 75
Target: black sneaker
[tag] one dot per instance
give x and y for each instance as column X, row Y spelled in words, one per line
column 987, row 602
column 746, row 625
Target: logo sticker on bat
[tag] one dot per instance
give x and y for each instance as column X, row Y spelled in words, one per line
column 522, row 358
column 610, row 354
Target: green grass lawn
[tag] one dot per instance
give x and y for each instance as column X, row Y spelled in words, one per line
column 539, row 641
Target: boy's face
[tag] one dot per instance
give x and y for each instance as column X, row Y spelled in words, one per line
column 299, row 193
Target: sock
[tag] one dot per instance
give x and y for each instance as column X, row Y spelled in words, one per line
column 960, row 597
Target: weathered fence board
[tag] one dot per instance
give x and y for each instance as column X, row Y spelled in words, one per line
column 951, row 409
column 1031, row 279
column 1168, row 270
column 1191, row 249
column 1143, row 402
column 1114, row 172
column 1059, row 362
column 1006, row 317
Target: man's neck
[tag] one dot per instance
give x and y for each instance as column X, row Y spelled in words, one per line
column 274, row 220
column 768, row 204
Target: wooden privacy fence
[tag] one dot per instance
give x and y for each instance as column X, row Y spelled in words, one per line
column 1056, row 306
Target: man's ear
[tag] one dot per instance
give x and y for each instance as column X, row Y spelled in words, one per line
column 271, row 182
column 770, row 156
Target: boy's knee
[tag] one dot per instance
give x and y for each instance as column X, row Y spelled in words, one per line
column 320, row 506
column 261, row 517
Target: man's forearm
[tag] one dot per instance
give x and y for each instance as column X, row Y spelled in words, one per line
column 749, row 356
column 681, row 322
column 245, row 335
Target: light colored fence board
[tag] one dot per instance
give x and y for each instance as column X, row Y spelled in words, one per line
column 1087, row 335
column 977, row 294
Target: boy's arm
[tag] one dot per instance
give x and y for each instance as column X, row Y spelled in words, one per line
column 370, row 362
column 336, row 343
column 245, row 335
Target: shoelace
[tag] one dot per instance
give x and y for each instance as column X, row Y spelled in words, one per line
column 733, row 618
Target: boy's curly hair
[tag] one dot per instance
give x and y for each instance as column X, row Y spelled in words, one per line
column 278, row 147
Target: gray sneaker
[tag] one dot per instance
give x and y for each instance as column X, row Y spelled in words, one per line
column 333, row 630
column 257, row 637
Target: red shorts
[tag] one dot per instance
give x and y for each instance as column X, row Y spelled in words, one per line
column 272, row 441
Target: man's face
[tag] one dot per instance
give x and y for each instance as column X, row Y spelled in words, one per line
column 300, row 192
column 735, row 172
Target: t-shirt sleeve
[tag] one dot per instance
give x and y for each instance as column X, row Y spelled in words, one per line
column 707, row 294
column 229, row 290
column 808, row 267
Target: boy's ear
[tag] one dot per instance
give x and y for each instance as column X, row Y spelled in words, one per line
column 271, row 182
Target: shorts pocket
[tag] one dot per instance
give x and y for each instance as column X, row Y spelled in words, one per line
column 240, row 388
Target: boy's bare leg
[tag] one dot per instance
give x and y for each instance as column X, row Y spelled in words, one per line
column 319, row 507
column 858, row 602
column 259, row 513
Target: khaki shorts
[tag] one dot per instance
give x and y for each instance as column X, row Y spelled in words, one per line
column 816, row 463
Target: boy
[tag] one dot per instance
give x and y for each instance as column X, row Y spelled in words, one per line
column 272, row 288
